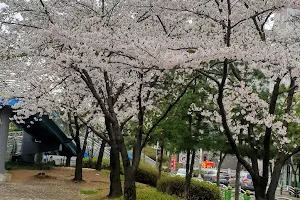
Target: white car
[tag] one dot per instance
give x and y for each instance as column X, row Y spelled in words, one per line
column 181, row 172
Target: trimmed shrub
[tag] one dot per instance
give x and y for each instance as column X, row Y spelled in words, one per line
column 198, row 191
column 147, row 175
column 146, row 193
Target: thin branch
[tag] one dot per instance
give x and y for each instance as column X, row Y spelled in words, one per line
column 87, row 79
column 46, row 11
column 125, row 122
column 290, row 89
column 162, row 24
column 98, row 133
column 168, row 110
column 254, row 16
column 18, row 24
column 210, row 77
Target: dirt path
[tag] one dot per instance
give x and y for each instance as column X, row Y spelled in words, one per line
column 58, row 186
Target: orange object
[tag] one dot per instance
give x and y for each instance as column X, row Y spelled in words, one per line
column 208, row 164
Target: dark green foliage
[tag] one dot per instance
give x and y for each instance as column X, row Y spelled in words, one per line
column 86, row 164
column 147, row 175
column 195, row 173
column 151, row 152
column 29, row 166
column 198, row 190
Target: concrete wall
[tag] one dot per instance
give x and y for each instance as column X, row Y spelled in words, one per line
column 4, row 126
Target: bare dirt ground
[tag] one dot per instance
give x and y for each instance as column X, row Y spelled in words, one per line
column 25, row 185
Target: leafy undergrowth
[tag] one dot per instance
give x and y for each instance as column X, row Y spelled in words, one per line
column 144, row 192
column 29, row 166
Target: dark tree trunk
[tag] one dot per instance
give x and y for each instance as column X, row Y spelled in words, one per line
column 161, row 160
column 78, row 168
column 275, row 178
column 237, row 181
column 68, row 161
column 188, row 177
column 260, row 194
column 129, row 185
column 100, row 156
column 115, row 181
column 222, row 157
column 80, row 154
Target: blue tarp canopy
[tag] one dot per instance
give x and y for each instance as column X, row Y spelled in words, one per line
column 9, row 102
column 129, row 155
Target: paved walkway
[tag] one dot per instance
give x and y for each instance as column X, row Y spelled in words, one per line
column 286, row 195
column 16, row 191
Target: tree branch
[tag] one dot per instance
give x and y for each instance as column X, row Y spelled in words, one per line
column 168, row 110
column 87, row 79
column 98, row 133
column 162, row 24
column 46, row 11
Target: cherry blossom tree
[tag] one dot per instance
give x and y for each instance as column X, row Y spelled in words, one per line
column 118, row 49
column 95, row 50
column 233, row 34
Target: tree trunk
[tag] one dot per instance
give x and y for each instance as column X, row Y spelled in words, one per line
column 78, row 168
column 100, row 156
column 222, row 157
column 68, row 161
column 161, row 160
column 129, row 184
column 115, row 181
column 189, row 174
column 260, row 194
column 237, row 181
column 275, row 179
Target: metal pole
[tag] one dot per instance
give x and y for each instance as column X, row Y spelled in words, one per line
column 156, row 150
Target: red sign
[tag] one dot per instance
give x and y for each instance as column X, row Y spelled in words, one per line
column 173, row 162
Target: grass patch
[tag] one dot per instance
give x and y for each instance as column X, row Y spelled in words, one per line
column 105, row 173
column 150, row 152
column 88, row 192
column 143, row 192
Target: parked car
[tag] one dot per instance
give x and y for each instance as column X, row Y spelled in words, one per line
column 211, row 176
column 181, row 172
column 245, row 181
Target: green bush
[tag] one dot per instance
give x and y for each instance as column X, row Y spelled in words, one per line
column 198, row 191
column 29, row 166
column 195, row 173
column 146, row 193
column 147, row 175
column 86, row 163
column 151, row 152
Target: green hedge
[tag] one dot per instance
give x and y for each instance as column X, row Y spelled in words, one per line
column 146, row 193
column 29, row 166
column 198, row 191
column 151, row 152
column 147, row 175
column 86, row 163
